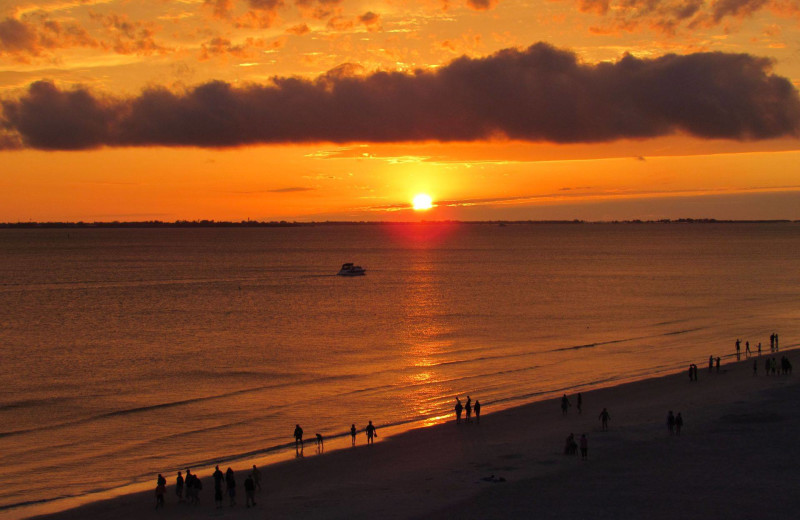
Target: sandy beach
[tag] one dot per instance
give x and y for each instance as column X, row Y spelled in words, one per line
column 735, row 458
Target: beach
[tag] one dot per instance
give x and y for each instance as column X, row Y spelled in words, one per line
column 735, row 458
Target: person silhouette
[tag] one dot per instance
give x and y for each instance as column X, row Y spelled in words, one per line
column 160, row 490
column 604, row 418
column 256, row 474
column 458, row 409
column 738, row 349
column 298, row 437
column 230, row 482
column 671, row 423
column 477, row 411
column 249, row 491
column 746, row 349
column 710, row 363
column 718, row 360
column 565, row 404
column 179, row 487
column 320, row 443
column 468, row 409
column 353, row 435
column 584, row 447
column 218, row 479
column 371, row 433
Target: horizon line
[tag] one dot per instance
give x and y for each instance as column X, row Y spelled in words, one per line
column 206, row 223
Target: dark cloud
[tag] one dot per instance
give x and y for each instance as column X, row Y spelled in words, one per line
column 723, row 8
column 481, row 5
column 671, row 15
column 35, row 35
column 290, row 190
column 537, row 94
column 371, row 20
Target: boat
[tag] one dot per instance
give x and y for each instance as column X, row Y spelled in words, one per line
column 349, row 269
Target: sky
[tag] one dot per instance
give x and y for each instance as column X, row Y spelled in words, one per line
column 311, row 110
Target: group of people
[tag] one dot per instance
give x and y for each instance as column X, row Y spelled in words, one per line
column 771, row 366
column 468, row 408
column 191, row 485
column 565, row 404
column 773, row 346
column 228, row 480
column 674, row 423
column 571, row 446
column 370, row 430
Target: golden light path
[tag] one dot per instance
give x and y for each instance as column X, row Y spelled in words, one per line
column 422, row 201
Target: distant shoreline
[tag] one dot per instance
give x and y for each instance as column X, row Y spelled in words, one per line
column 283, row 223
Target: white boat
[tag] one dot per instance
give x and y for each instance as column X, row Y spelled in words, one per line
column 349, row 269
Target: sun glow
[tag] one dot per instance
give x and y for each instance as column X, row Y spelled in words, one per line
column 422, row 202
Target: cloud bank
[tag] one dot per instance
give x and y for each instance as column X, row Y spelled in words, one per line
column 537, row 94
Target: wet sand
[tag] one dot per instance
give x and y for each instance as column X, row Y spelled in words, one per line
column 735, row 458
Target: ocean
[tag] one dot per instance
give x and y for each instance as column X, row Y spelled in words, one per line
column 132, row 352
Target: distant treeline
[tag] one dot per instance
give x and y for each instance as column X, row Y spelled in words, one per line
column 283, row 223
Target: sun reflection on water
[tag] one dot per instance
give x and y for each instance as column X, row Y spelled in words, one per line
column 425, row 329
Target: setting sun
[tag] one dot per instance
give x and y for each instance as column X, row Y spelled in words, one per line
column 422, row 202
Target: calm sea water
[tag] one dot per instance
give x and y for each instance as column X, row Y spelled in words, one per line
column 129, row 352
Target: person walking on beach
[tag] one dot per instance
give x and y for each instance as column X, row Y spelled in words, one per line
column 468, row 409
column 179, row 487
column 710, row 363
column 230, row 482
column 738, row 349
column 459, row 408
column 718, row 360
column 772, row 342
column 678, row 424
column 477, row 411
column 353, row 435
column 249, row 491
column 160, row 490
column 565, row 404
column 189, row 484
column 746, row 349
column 320, row 443
column 604, row 418
column 584, row 447
column 197, row 486
column 298, row 437
column 671, row 423
column 759, row 349
column 371, row 433
column 579, row 403
column 256, row 474
column 218, row 479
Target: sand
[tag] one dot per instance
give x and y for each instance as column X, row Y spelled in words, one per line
column 735, row 458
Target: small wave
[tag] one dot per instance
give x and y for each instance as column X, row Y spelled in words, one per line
column 623, row 340
column 149, row 408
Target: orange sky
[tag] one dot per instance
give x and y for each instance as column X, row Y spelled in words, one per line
column 635, row 140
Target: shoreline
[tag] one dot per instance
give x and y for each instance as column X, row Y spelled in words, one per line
column 445, row 463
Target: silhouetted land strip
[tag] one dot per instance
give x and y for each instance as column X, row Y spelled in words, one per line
column 283, row 223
